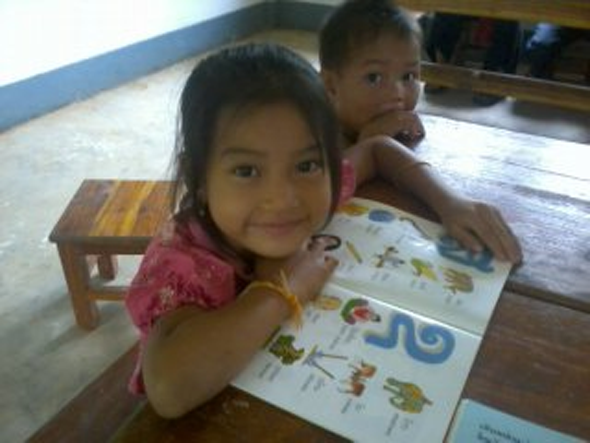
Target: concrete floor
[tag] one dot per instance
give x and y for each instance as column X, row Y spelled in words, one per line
column 124, row 133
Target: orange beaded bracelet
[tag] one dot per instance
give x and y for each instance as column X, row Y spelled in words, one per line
column 282, row 289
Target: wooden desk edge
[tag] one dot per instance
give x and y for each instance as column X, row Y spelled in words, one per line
column 98, row 410
column 105, row 406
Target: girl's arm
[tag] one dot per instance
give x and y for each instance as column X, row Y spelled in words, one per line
column 192, row 354
column 473, row 223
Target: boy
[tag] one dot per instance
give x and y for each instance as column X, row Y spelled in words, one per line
column 370, row 64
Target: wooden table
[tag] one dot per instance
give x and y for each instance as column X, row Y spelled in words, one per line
column 542, row 186
column 534, row 361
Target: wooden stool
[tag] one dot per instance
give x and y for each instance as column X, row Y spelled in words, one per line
column 106, row 218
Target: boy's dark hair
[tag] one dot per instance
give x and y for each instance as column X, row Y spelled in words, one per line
column 356, row 23
column 238, row 78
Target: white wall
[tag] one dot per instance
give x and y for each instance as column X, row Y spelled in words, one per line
column 38, row 36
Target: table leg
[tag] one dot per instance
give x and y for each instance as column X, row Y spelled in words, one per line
column 77, row 276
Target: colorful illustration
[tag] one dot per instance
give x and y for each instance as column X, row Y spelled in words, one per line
column 406, row 396
column 333, row 241
column 353, row 209
column 327, row 302
column 416, row 227
column 381, row 216
column 423, row 269
column 353, row 251
column 458, row 281
column 433, row 344
column 358, row 310
column 449, row 247
column 285, row 351
column 355, row 384
column 315, row 355
column 389, row 257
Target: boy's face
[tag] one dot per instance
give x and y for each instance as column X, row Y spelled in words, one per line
column 379, row 77
column 267, row 188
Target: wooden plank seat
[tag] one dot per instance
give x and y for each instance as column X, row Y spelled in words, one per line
column 570, row 13
column 105, row 218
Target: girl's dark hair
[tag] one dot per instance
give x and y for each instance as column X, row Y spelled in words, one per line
column 237, row 78
column 356, row 23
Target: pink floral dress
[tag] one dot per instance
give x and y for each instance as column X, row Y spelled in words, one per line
column 181, row 267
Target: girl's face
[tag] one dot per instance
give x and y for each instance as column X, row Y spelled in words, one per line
column 267, row 189
column 379, row 77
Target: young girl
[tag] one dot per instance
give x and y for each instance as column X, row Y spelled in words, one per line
column 258, row 172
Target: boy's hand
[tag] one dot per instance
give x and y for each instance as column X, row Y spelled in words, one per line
column 476, row 225
column 307, row 270
column 404, row 126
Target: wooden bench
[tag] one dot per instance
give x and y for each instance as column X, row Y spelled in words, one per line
column 571, row 13
column 105, row 218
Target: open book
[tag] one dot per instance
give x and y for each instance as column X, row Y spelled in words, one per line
column 385, row 350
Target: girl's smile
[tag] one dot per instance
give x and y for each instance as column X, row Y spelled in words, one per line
column 278, row 227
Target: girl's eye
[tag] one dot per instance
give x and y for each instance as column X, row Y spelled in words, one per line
column 309, row 166
column 245, row 171
column 373, row 78
column 409, row 77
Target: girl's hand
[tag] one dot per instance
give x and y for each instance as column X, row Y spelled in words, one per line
column 307, row 270
column 477, row 225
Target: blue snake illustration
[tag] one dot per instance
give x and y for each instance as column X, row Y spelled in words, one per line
column 435, row 344
column 449, row 247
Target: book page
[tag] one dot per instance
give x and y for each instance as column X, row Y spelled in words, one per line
column 365, row 370
column 407, row 261
column 480, row 423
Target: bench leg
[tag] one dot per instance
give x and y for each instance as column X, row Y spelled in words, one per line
column 77, row 277
column 107, row 266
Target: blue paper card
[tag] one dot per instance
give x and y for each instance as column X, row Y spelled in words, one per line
column 477, row 423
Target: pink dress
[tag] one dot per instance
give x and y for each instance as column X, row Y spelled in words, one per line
column 181, row 267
